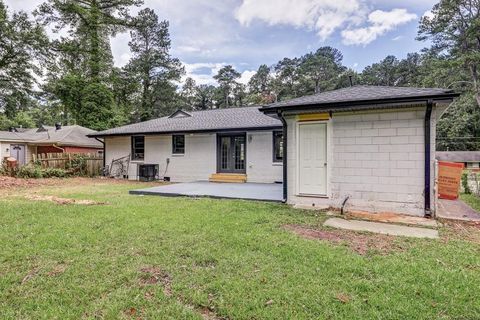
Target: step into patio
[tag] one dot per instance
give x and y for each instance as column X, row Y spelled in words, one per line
column 228, row 178
column 383, row 228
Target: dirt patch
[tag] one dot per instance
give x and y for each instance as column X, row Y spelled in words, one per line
column 461, row 230
column 57, row 270
column 30, row 275
column 358, row 242
column 154, row 275
column 9, row 182
column 63, row 201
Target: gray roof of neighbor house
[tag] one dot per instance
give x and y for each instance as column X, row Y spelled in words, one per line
column 359, row 96
column 66, row 136
column 230, row 119
column 458, row 156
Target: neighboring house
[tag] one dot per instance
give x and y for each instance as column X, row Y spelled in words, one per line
column 367, row 147
column 237, row 144
column 22, row 143
column 471, row 159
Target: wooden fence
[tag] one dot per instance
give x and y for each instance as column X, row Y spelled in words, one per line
column 89, row 164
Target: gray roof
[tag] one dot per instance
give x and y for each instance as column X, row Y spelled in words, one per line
column 66, row 136
column 458, row 156
column 242, row 118
column 363, row 94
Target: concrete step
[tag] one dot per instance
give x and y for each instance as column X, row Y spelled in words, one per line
column 228, row 178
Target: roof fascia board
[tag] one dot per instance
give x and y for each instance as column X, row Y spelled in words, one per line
column 186, row 131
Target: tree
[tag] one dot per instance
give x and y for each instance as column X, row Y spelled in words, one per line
column 287, row 78
column 189, row 93
column 89, row 24
column 383, row 73
column 205, row 96
column 152, row 63
column 22, row 43
column 226, row 78
column 453, row 27
column 260, row 86
column 321, row 69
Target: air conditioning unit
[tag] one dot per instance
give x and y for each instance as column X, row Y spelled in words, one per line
column 148, row 172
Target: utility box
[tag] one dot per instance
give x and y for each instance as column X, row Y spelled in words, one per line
column 148, row 172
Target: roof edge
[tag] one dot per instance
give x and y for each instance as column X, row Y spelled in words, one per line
column 262, row 128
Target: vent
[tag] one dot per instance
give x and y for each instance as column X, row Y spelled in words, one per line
column 180, row 114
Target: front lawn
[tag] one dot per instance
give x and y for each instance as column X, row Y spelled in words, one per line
column 181, row 258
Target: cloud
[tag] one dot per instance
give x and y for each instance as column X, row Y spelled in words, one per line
column 202, row 73
column 380, row 23
column 323, row 16
column 246, row 75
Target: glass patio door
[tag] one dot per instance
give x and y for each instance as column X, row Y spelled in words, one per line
column 231, row 153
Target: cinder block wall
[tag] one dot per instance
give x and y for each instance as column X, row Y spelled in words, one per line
column 260, row 165
column 376, row 159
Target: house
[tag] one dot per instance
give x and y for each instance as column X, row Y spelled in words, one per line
column 471, row 159
column 237, row 144
column 22, row 143
column 369, row 148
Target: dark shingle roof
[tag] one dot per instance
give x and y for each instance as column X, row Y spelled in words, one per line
column 458, row 156
column 362, row 94
column 66, row 136
column 208, row 120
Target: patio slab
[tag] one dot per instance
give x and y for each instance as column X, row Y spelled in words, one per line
column 456, row 210
column 383, row 228
column 248, row 191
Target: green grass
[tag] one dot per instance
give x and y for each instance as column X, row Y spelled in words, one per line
column 472, row 200
column 229, row 256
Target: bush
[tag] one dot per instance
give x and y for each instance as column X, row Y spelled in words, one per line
column 30, row 171
column 466, row 187
column 36, row 172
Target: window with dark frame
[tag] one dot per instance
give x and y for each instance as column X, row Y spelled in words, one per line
column 178, row 144
column 138, row 147
column 277, row 146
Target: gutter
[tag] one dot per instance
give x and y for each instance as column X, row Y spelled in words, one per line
column 103, row 143
column 285, row 143
column 427, row 131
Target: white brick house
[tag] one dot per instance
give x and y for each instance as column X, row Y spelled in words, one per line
column 363, row 148
column 224, row 145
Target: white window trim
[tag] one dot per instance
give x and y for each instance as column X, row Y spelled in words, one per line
column 329, row 158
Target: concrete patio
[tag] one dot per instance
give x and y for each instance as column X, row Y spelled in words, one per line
column 248, row 191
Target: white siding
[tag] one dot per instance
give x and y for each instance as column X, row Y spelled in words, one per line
column 200, row 158
column 5, row 150
column 376, row 159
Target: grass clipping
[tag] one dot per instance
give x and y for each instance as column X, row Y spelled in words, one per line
column 63, row 201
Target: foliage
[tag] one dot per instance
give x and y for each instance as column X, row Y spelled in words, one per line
column 227, row 81
column 465, row 185
column 34, row 171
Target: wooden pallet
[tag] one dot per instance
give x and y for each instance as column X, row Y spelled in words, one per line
column 228, row 178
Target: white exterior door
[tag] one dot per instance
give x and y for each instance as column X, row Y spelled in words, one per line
column 312, row 158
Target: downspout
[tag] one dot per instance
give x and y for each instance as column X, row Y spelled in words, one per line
column 285, row 143
column 104, row 156
column 428, row 116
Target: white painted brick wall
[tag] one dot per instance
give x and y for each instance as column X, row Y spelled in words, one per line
column 200, row 158
column 377, row 159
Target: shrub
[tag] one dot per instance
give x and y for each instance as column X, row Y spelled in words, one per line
column 30, row 171
column 466, row 187
column 54, row 173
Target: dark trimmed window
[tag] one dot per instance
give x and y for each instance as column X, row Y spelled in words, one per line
column 277, row 146
column 178, row 144
column 138, row 147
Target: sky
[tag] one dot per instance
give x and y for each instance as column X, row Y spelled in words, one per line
column 208, row 34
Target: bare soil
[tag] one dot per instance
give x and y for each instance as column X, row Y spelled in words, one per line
column 154, row 275
column 461, row 230
column 359, row 242
column 63, row 201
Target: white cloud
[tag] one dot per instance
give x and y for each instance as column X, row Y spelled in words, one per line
column 196, row 71
column 428, row 14
column 323, row 16
column 246, row 75
column 380, row 23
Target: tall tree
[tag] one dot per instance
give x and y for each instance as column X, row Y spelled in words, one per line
column 89, row 25
column 152, row 63
column 22, row 42
column 453, row 27
column 383, row 73
column 321, row 69
column 226, row 78
column 287, row 78
column 260, row 86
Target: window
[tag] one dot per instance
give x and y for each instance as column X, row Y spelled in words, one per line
column 138, row 147
column 277, row 146
column 178, row 144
